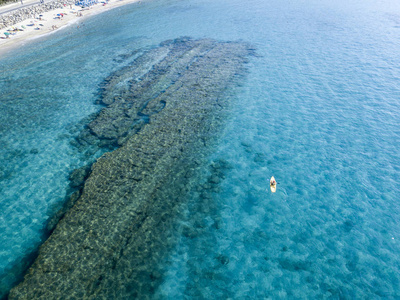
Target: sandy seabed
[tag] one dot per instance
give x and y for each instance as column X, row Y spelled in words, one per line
column 50, row 22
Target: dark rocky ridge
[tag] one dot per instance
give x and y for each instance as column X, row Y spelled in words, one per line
column 163, row 111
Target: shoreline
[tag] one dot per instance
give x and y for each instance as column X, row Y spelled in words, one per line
column 50, row 22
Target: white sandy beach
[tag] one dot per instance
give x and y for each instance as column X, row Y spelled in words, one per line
column 51, row 21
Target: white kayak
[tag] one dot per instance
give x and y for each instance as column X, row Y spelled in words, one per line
column 272, row 184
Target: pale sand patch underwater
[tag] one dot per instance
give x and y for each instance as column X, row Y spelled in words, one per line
column 50, row 22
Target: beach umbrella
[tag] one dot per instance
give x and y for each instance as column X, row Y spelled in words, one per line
column 7, row 33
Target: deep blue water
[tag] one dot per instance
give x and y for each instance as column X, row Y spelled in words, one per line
column 319, row 110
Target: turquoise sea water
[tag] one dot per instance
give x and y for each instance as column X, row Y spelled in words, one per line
column 319, row 109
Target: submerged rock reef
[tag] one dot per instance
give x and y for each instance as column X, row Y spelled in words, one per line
column 162, row 112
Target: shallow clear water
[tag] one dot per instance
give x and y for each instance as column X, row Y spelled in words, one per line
column 319, row 110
